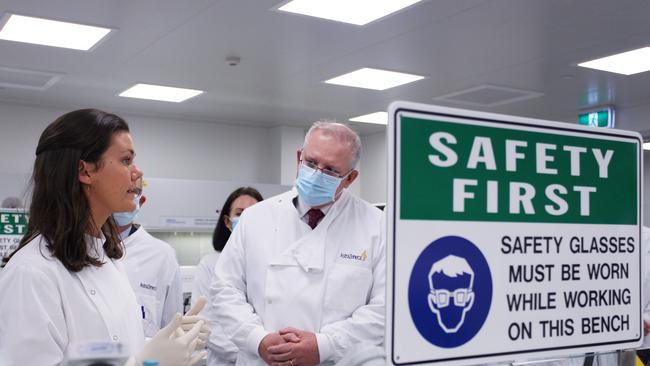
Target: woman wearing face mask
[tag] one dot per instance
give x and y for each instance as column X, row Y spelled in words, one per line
column 65, row 285
column 220, row 350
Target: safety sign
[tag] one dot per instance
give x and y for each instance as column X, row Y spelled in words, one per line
column 13, row 225
column 509, row 238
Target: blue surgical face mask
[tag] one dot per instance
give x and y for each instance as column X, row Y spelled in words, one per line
column 316, row 188
column 233, row 222
column 125, row 218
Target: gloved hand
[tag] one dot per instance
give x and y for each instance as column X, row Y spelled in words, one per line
column 171, row 346
column 192, row 317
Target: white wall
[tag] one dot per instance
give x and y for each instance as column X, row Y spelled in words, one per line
column 287, row 140
column 196, row 150
column 373, row 168
column 165, row 148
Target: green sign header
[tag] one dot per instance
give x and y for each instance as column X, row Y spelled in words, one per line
column 13, row 223
column 475, row 172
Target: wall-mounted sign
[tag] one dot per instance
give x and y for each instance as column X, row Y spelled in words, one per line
column 510, row 238
column 598, row 118
column 13, row 226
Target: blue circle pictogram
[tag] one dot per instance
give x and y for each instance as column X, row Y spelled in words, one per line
column 450, row 291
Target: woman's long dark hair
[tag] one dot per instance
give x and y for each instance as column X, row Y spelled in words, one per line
column 221, row 232
column 59, row 210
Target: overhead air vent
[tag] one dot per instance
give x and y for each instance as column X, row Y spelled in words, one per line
column 488, row 96
column 27, row 79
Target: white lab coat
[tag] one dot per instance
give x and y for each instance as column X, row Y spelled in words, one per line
column 44, row 307
column 155, row 277
column 221, row 351
column 276, row 272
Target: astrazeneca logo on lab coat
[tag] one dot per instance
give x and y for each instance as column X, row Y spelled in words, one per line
column 450, row 291
column 361, row 257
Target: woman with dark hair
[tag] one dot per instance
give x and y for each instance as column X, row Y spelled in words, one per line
column 239, row 200
column 65, row 285
column 220, row 350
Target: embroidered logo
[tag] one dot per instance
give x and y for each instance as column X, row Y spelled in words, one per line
column 148, row 286
column 362, row 257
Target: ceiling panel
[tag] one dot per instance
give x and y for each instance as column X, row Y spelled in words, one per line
column 457, row 44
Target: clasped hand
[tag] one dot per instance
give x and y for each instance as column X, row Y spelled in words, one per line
column 290, row 347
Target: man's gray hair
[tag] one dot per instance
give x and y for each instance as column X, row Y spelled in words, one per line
column 341, row 133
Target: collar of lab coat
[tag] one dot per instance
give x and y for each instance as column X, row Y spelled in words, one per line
column 133, row 237
column 308, row 251
column 96, row 246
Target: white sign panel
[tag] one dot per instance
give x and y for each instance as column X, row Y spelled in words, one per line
column 510, row 238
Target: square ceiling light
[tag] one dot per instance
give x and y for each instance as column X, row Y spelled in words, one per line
column 646, row 146
column 375, row 79
column 358, row 12
column 626, row 63
column 161, row 93
column 380, row 118
column 53, row 33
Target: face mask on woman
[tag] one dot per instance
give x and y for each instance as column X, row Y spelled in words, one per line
column 233, row 222
column 125, row 218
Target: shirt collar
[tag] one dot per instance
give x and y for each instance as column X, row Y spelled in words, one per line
column 302, row 207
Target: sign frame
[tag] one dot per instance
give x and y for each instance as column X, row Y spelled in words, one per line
column 392, row 149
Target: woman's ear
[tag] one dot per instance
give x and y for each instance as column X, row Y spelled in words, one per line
column 84, row 175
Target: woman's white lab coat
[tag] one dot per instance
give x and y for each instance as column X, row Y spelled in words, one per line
column 221, row 351
column 276, row 272
column 44, row 307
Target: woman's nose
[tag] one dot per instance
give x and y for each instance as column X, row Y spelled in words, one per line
column 136, row 173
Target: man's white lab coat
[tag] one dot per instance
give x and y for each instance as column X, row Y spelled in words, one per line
column 44, row 307
column 276, row 272
column 155, row 276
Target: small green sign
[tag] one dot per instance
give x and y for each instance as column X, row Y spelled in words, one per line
column 13, row 223
column 601, row 118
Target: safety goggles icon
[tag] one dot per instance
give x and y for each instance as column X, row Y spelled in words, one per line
column 461, row 297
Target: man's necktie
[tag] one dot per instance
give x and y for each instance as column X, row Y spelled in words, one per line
column 313, row 217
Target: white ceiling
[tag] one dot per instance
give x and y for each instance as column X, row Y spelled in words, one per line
column 532, row 45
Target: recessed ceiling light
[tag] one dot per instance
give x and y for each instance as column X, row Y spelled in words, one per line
column 162, row 93
column 359, row 12
column 53, row 33
column 380, row 118
column 626, row 63
column 646, row 146
column 374, row 79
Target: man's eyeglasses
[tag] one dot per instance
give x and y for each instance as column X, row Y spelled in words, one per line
column 325, row 171
column 461, row 297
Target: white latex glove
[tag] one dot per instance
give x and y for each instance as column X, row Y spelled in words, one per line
column 171, row 346
column 192, row 317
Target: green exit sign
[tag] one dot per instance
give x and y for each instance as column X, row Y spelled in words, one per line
column 598, row 118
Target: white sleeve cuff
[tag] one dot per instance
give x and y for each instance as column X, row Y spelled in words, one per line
column 325, row 347
column 254, row 339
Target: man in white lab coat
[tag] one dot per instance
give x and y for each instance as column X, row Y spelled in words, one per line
column 302, row 278
column 153, row 272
